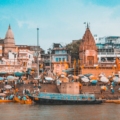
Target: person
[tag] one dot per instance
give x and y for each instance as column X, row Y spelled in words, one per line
column 39, row 87
column 5, row 81
column 112, row 90
column 23, row 91
column 16, row 90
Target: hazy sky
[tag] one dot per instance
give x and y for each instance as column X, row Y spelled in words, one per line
column 58, row 20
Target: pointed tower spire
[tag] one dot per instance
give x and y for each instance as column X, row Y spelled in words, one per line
column 9, row 27
column 87, row 26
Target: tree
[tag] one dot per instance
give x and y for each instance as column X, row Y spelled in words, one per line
column 74, row 49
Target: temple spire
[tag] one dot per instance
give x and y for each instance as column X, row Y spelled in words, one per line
column 9, row 27
column 87, row 26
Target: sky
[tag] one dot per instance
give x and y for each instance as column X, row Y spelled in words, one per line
column 59, row 21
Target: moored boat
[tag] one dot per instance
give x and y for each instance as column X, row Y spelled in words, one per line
column 23, row 101
column 6, row 101
column 64, row 99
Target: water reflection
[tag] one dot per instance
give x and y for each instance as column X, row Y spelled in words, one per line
column 12, row 111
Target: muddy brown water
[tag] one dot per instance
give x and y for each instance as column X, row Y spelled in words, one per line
column 15, row 111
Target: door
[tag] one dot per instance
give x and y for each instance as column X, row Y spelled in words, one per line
column 90, row 60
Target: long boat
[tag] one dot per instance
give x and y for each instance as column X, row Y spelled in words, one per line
column 6, row 101
column 64, row 99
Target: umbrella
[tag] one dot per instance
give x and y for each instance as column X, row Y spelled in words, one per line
column 2, row 73
column 8, row 87
column 116, row 79
column 1, row 78
column 10, row 77
column 85, row 79
column 104, row 79
column 48, row 78
column 87, row 75
column 80, row 75
column 19, row 74
column 70, row 75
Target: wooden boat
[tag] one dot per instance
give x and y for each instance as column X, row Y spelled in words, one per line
column 113, row 101
column 6, row 101
column 64, row 99
column 117, row 102
column 28, row 101
column 16, row 99
column 109, row 101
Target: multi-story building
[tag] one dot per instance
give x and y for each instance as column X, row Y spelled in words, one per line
column 108, row 49
column 60, row 58
column 17, row 57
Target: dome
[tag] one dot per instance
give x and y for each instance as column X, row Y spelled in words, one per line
column 9, row 34
column 9, row 38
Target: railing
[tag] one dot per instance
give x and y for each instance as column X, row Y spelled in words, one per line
column 106, row 53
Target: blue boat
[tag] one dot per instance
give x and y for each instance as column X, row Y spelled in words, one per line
column 64, row 99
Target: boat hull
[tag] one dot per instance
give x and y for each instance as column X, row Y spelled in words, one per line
column 6, row 101
column 22, row 101
column 44, row 101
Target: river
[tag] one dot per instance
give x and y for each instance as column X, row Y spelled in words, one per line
column 15, row 111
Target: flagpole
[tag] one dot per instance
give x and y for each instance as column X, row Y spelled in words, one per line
column 37, row 52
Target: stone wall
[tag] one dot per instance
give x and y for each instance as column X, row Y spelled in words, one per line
column 96, row 72
column 69, row 88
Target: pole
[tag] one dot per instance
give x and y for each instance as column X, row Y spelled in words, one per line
column 14, row 64
column 50, row 60
column 37, row 52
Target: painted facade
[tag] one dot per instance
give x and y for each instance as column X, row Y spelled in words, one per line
column 60, row 58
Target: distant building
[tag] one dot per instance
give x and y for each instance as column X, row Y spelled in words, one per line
column 88, row 49
column 57, row 59
column 108, row 49
column 17, row 57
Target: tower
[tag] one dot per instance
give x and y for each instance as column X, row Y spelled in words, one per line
column 9, row 42
column 88, row 49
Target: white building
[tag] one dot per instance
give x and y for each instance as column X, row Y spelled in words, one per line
column 108, row 49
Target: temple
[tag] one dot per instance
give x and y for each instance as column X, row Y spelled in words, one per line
column 9, row 42
column 88, row 55
column 88, row 49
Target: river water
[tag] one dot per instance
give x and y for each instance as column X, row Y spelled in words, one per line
column 15, row 111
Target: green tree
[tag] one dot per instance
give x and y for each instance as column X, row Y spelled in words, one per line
column 74, row 49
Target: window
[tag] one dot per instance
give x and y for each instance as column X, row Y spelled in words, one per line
column 59, row 59
column 56, row 59
column 63, row 59
column 57, row 52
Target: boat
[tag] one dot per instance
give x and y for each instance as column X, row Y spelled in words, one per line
column 64, row 99
column 113, row 101
column 6, row 101
column 23, row 101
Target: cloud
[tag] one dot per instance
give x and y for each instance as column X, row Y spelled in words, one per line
column 30, row 24
column 61, row 21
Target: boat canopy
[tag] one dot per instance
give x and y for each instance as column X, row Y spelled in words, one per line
column 59, row 96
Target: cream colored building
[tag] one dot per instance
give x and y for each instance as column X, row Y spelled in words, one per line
column 12, row 57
